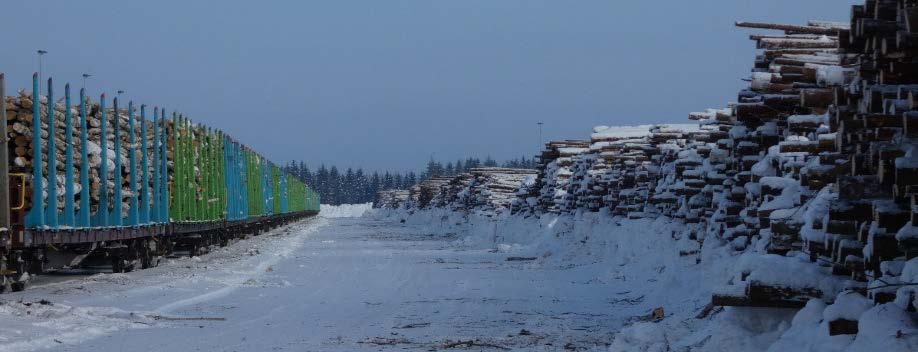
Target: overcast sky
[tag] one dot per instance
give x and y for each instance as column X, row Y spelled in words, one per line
column 388, row 84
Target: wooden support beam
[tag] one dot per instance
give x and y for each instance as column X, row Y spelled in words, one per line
column 761, row 295
column 4, row 161
column 787, row 27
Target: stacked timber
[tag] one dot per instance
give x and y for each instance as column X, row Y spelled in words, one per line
column 455, row 193
column 553, row 180
column 836, row 185
column 20, row 124
column 414, row 196
column 812, row 173
column 487, row 191
column 431, row 192
column 620, row 152
column 391, row 199
column 492, row 189
column 526, row 199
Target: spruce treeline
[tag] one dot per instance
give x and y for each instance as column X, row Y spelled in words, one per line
column 349, row 186
column 353, row 186
column 437, row 168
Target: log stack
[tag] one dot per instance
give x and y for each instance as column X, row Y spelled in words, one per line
column 19, row 112
column 430, row 192
column 554, row 177
column 812, row 171
column 492, row 189
column 391, row 199
column 487, row 191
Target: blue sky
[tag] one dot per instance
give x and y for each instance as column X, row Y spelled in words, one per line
column 388, row 84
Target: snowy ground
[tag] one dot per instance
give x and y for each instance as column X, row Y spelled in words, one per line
column 390, row 281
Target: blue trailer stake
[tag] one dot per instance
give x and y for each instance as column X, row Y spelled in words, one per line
column 116, row 173
column 36, row 216
column 83, row 217
column 164, row 162
column 144, row 169
column 156, row 185
column 102, row 212
column 68, row 160
column 132, row 176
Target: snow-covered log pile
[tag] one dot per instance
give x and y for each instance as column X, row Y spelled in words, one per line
column 811, row 174
column 20, row 115
column 390, row 199
column 620, row 154
column 430, row 192
column 453, row 193
column 813, row 169
column 487, row 191
column 491, row 189
column 554, row 174
column 616, row 169
column 414, row 197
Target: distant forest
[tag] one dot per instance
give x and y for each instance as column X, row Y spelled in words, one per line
column 352, row 186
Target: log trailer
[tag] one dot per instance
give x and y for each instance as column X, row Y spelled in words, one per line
column 85, row 184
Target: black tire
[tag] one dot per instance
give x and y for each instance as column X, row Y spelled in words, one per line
column 17, row 286
column 146, row 259
column 117, row 265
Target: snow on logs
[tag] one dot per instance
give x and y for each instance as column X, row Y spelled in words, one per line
column 812, row 173
column 19, row 113
column 486, row 191
column 391, row 199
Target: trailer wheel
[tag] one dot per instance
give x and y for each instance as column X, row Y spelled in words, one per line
column 147, row 254
column 17, row 286
column 117, row 264
column 146, row 259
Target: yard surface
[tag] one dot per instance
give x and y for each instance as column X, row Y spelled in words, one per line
column 331, row 283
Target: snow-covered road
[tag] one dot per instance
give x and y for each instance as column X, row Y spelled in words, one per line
column 330, row 283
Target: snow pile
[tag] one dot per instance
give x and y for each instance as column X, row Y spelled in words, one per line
column 51, row 324
column 882, row 327
column 643, row 260
column 109, row 306
column 344, row 210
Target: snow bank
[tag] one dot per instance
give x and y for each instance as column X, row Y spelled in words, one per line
column 645, row 256
column 344, row 210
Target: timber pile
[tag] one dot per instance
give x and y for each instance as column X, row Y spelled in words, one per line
column 551, row 184
column 429, row 192
column 19, row 113
column 620, row 153
column 813, row 171
column 414, row 196
column 490, row 190
column 454, row 193
column 391, row 199
column 487, row 191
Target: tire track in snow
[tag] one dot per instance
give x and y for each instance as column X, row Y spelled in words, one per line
column 35, row 326
column 295, row 242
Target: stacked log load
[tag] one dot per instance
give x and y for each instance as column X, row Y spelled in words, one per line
column 19, row 113
column 812, row 173
column 200, row 140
